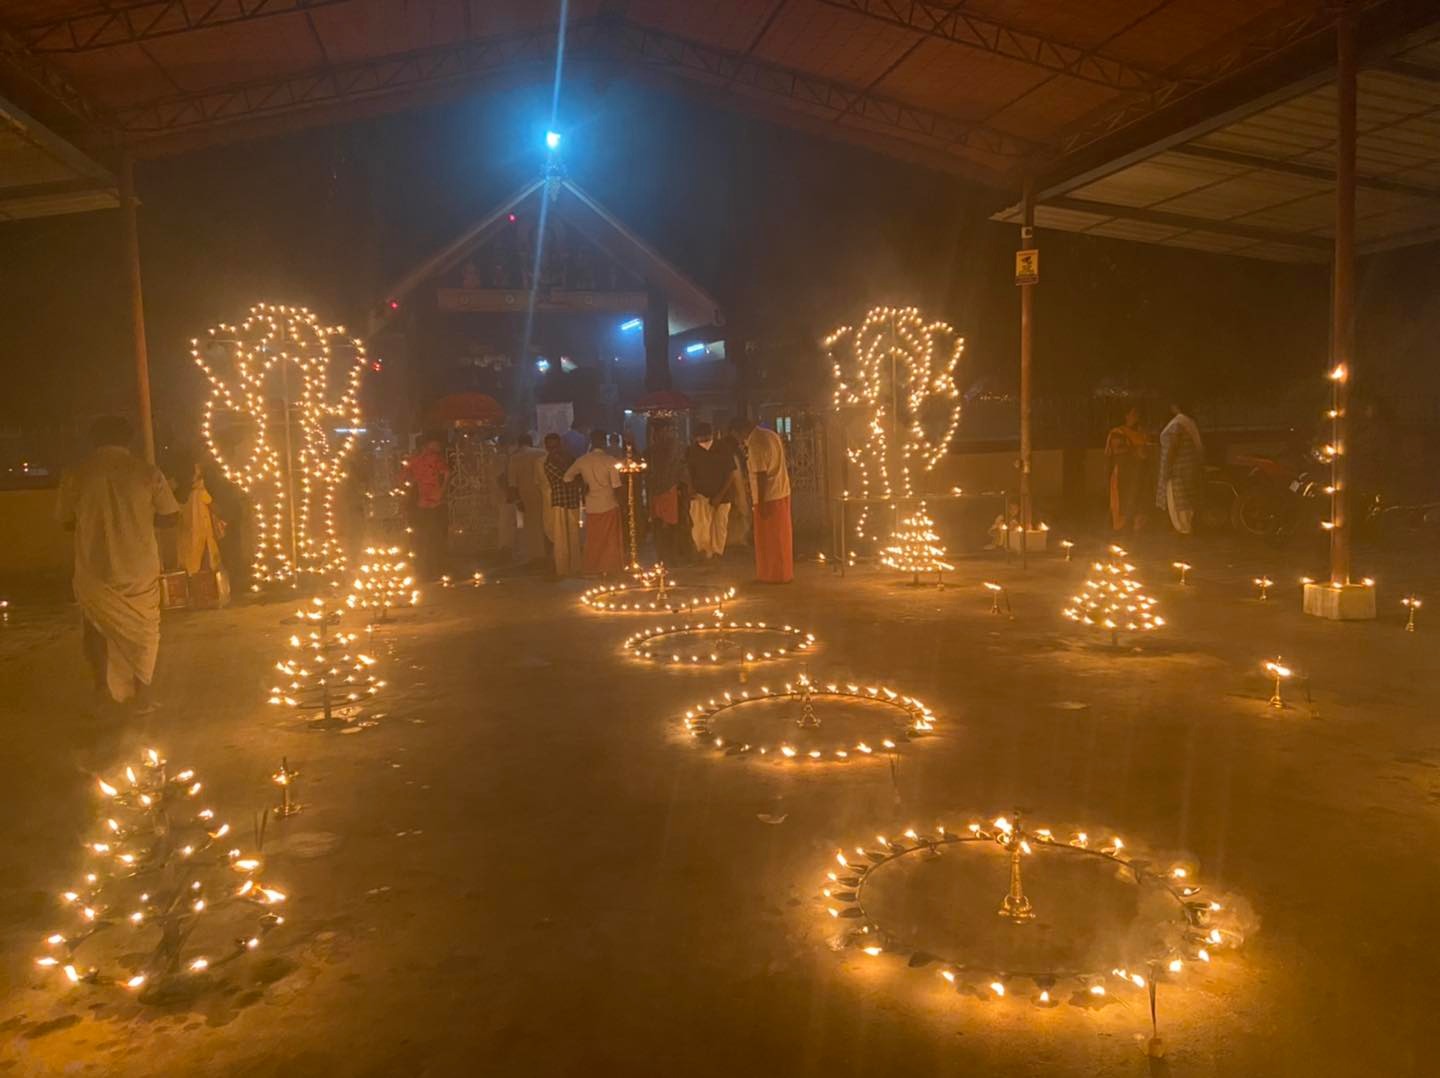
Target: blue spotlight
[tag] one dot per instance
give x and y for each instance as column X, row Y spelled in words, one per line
column 552, row 140
column 542, row 365
column 694, row 349
column 634, row 323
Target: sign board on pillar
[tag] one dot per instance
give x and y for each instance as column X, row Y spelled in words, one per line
column 1027, row 266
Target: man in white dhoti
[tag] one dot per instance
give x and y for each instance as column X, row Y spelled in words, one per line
column 710, row 473
column 113, row 501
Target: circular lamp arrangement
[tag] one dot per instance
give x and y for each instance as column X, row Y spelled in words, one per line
column 654, row 595
column 674, row 644
column 904, row 718
column 1008, row 910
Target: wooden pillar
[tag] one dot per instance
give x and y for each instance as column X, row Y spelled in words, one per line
column 1342, row 294
column 657, row 340
column 137, row 304
column 1027, row 310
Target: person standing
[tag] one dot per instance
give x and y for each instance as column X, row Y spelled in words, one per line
column 1182, row 456
column 561, row 506
column 770, row 496
column 525, row 488
column 604, row 538
column 429, row 474
column 1125, row 451
column 662, row 484
column 575, row 441
column 113, row 501
column 711, row 479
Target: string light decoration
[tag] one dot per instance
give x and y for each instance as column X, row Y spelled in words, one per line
column 1113, row 600
column 1172, row 930
column 651, row 592
column 664, row 643
column 900, row 369
column 324, row 672
column 161, row 879
column 282, row 387
column 915, row 548
column 384, row 579
column 908, row 718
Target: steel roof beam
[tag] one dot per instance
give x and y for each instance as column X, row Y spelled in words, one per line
column 1295, row 168
column 1188, row 223
column 957, row 26
column 131, row 24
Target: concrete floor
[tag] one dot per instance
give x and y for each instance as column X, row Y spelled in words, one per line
column 525, row 869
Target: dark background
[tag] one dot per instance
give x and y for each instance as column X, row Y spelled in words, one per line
column 794, row 234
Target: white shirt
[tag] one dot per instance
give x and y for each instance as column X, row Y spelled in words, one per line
column 113, row 498
column 765, row 453
column 602, row 478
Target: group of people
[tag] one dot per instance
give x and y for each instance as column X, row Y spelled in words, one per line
column 1179, row 475
column 688, row 496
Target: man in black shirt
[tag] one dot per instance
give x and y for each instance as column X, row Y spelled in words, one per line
column 711, row 472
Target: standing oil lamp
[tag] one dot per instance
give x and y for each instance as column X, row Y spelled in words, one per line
column 1067, row 546
column 1412, row 604
column 1264, row 583
column 1184, row 568
column 630, row 467
column 1277, row 669
column 285, row 779
column 1015, row 906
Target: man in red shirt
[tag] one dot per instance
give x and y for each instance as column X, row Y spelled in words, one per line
column 429, row 474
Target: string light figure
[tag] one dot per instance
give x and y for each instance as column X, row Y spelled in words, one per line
column 281, row 419
column 915, row 548
column 1277, row 669
column 913, row 718
column 1113, row 600
column 160, row 874
column 1184, row 929
column 384, row 579
column 325, row 671
column 900, row 370
column 1412, row 604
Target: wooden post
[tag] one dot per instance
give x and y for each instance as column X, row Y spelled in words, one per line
column 1342, row 297
column 1027, row 309
column 137, row 304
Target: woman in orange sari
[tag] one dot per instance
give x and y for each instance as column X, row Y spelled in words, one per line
column 1125, row 453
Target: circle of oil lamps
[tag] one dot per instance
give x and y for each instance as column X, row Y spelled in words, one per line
column 668, row 643
column 158, row 873
column 654, row 592
column 911, row 718
column 1190, row 929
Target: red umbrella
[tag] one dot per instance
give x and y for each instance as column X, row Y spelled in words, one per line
column 664, row 400
column 465, row 410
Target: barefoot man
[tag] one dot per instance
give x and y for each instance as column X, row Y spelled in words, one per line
column 770, row 493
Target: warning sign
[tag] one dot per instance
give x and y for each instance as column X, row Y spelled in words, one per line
column 1027, row 267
